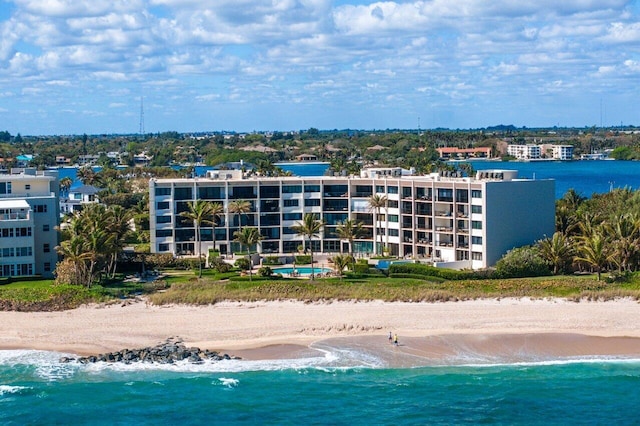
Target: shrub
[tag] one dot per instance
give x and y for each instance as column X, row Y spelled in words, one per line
column 271, row 260
column 361, row 268
column 159, row 261
column 522, row 262
column 303, row 260
column 243, row 264
column 419, row 277
column 265, row 271
column 219, row 265
column 430, row 271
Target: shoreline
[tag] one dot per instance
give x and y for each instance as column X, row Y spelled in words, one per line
column 484, row 331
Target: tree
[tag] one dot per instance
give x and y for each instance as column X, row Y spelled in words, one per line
column 87, row 176
column 248, row 237
column 340, row 262
column 557, row 251
column 522, row 262
column 117, row 224
column 309, row 228
column 65, row 185
column 350, row 230
column 200, row 212
column 594, row 251
column 378, row 202
column 240, row 207
column 625, row 244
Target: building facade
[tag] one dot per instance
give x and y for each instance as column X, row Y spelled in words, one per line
column 29, row 215
column 525, row 152
column 459, row 222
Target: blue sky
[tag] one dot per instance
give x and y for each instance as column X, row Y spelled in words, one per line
column 72, row 67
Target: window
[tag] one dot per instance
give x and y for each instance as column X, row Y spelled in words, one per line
column 163, row 205
column 46, row 248
column 211, row 193
column 380, row 188
column 291, row 203
column 462, row 196
column 392, row 204
column 291, row 189
column 27, row 187
column 392, row 189
column 292, row 216
column 163, row 219
column 23, row 232
column 47, row 266
column 24, row 251
column 476, row 255
column 393, row 232
column 312, row 188
column 163, row 247
column 5, row 187
column 182, row 194
column 314, row 202
column 476, row 240
column 163, row 233
column 393, row 218
column 445, row 194
column 476, row 193
column 40, row 208
column 45, row 228
column 7, row 252
column 476, row 224
column 7, row 233
column 476, row 209
column 163, row 191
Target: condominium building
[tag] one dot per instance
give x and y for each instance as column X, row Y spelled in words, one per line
column 453, row 221
column 525, row 152
column 29, row 214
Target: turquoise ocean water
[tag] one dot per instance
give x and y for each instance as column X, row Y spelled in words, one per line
column 36, row 389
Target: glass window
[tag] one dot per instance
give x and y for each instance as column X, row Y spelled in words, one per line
column 163, row 247
column 476, row 240
column 393, row 232
column 393, row 218
column 476, row 193
column 392, row 189
column 163, row 233
column 312, row 188
column 291, row 203
column 46, row 248
column 183, row 194
column 163, row 219
column 45, row 228
column 312, row 202
column 292, row 216
column 163, row 191
column 380, row 188
column 462, row 196
column 476, row 255
column 164, row 205
column 47, row 266
column 476, row 209
column 476, row 224
column 291, row 189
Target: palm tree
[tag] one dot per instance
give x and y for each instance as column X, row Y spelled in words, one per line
column 65, row 185
column 240, row 207
column 625, row 232
column 557, row 250
column 248, row 237
column 310, row 228
column 87, row 176
column 595, row 252
column 377, row 202
column 350, row 230
column 117, row 224
column 200, row 213
column 340, row 262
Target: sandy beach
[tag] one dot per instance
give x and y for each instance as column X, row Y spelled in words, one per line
column 429, row 333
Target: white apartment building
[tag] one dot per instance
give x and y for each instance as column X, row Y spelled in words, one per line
column 458, row 222
column 525, row 152
column 562, row 152
column 29, row 214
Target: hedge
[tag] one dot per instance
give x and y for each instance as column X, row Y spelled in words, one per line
column 431, row 271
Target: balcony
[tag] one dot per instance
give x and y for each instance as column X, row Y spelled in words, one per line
column 14, row 216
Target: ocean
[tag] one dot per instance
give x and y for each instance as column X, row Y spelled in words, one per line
column 36, row 389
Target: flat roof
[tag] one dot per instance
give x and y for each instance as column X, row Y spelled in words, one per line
column 14, row 204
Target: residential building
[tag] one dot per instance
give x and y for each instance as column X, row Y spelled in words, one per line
column 445, row 219
column 453, row 153
column 29, row 215
column 78, row 197
column 562, row 152
column 525, row 152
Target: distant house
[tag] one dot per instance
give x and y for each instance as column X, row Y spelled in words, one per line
column 61, row 160
column 78, row 197
column 451, row 153
column 306, row 157
column 87, row 160
column 142, row 159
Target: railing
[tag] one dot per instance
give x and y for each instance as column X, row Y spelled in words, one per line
column 14, row 216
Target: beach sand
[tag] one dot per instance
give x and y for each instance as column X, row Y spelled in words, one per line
column 479, row 331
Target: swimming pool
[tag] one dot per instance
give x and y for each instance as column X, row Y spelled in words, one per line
column 302, row 270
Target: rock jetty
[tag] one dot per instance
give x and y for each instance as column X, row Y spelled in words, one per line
column 170, row 351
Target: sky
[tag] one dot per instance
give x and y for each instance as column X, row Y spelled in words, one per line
column 108, row 66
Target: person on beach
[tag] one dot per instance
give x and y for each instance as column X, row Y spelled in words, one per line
column 390, row 338
column 395, row 339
